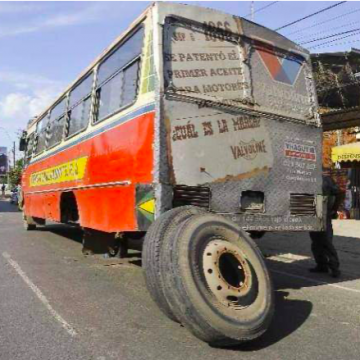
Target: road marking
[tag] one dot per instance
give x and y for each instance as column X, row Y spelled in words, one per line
column 316, row 281
column 39, row 294
column 288, row 258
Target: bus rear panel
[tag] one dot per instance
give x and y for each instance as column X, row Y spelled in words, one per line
column 242, row 133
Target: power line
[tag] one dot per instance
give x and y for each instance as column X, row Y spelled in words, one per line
column 325, row 31
column 329, row 36
column 324, row 22
column 329, row 42
column 6, row 132
column 262, row 8
column 340, row 43
column 311, row 15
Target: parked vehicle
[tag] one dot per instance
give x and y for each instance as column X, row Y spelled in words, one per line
column 14, row 196
column 192, row 130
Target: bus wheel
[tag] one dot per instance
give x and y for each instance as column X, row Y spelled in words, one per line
column 152, row 248
column 217, row 282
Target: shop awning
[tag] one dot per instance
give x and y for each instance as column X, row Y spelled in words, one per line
column 349, row 152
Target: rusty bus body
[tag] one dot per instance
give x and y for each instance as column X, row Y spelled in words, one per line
column 240, row 114
column 216, row 113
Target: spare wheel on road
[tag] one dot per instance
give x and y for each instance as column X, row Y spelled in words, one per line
column 216, row 281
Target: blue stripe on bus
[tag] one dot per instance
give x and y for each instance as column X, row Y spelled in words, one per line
column 106, row 127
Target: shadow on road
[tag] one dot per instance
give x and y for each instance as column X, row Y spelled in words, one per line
column 291, row 257
column 296, row 275
column 6, row 207
column 290, row 314
column 73, row 233
column 288, row 317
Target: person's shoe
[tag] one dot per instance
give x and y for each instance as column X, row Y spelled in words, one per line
column 319, row 269
column 335, row 273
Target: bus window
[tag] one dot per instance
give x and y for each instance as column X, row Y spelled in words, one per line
column 131, row 77
column 29, row 147
column 79, row 106
column 118, row 77
column 56, row 125
column 194, row 66
column 41, row 134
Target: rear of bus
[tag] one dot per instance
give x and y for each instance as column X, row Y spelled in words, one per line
column 243, row 137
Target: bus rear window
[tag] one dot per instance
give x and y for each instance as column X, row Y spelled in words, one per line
column 194, row 64
column 214, row 65
column 282, row 82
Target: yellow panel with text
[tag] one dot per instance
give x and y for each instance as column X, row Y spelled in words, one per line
column 69, row 171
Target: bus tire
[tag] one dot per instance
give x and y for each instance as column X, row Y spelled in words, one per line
column 151, row 253
column 216, row 282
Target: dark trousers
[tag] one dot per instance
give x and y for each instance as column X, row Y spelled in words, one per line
column 323, row 249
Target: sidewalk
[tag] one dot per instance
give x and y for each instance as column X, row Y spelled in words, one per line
column 349, row 228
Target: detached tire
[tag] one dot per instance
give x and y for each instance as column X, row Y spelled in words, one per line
column 216, row 281
column 152, row 249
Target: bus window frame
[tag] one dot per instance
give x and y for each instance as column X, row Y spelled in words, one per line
column 133, row 61
column 92, row 98
column 171, row 20
column 64, row 114
column 236, row 39
column 138, row 58
column 28, row 157
column 93, row 95
column 36, row 154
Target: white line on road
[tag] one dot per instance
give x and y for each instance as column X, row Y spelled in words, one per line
column 316, row 281
column 39, row 294
column 288, row 258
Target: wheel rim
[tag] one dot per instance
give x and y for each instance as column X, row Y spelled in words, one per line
column 227, row 272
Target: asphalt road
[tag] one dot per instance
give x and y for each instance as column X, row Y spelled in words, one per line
column 57, row 304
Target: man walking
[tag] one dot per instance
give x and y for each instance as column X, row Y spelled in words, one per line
column 3, row 190
column 324, row 252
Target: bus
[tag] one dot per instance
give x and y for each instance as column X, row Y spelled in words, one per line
column 193, row 133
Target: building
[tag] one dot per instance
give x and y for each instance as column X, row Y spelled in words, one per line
column 3, row 161
column 337, row 77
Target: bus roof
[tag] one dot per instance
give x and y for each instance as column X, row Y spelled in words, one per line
column 249, row 29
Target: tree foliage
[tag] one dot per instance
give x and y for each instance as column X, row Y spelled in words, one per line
column 15, row 173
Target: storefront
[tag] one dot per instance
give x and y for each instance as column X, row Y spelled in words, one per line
column 348, row 157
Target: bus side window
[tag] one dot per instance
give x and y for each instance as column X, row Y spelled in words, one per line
column 56, row 124
column 41, row 134
column 29, row 148
column 79, row 106
column 118, row 77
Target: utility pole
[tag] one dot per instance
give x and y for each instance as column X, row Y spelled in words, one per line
column 14, row 155
column 252, row 11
